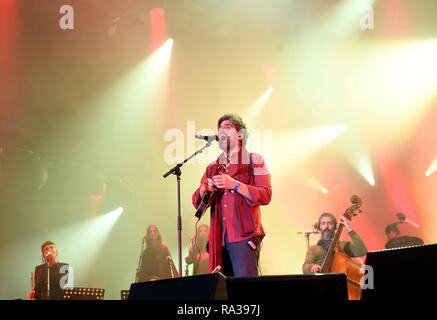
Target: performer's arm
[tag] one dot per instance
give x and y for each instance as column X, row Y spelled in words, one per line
column 243, row 189
column 31, row 293
column 198, row 194
column 190, row 258
column 309, row 266
column 206, row 184
column 356, row 248
column 258, row 194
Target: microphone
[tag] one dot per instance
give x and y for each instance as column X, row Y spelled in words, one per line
column 215, row 137
column 207, row 138
column 49, row 258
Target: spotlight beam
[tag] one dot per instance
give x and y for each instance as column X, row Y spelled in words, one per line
column 432, row 168
column 255, row 111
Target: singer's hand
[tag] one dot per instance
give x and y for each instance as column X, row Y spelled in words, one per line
column 223, row 181
column 208, row 185
column 31, row 294
column 211, row 186
column 316, row 268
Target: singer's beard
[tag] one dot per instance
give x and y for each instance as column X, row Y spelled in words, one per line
column 223, row 145
column 327, row 234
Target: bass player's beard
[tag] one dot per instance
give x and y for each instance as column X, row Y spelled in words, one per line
column 327, row 234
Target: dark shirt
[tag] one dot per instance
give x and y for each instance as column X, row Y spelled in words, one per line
column 154, row 264
column 58, row 276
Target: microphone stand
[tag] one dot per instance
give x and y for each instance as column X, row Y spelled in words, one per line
column 176, row 170
column 170, row 265
column 48, row 281
column 307, row 236
column 140, row 261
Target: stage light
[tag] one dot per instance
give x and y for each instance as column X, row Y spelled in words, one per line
column 363, row 165
column 134, row 101
column 294, row 148
column 118, row 211
column 140, row 87
column 157, row 11
column 158, row 63
column 81, row 243
column 396, row 185
column 315, row 184
column 432, row 168
column 158, row 28
column 255, row 111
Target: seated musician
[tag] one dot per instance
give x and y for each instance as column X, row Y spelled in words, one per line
column 327, row 225
column 395, row 240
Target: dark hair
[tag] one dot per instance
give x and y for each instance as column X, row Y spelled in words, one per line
column 240, row 126
column 148, row 241
column 330, row 215
column 46, row 244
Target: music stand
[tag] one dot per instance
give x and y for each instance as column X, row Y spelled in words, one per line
column 84, row 294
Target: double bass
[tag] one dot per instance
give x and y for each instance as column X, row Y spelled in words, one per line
column 339, row 262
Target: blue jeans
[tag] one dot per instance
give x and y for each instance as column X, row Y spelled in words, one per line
column 239, row 259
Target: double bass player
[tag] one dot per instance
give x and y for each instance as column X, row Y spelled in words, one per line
column 327, row 226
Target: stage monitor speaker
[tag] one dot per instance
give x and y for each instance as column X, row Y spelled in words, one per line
column 332, row 286
column 200, row 287
column 401, row 272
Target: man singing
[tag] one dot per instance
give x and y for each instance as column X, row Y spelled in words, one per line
column 51, row 277
column 240, row 183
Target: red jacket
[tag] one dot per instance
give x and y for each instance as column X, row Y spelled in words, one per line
column 232, row 212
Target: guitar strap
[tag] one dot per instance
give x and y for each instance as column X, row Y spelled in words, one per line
column 246, row 220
